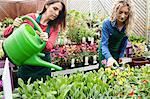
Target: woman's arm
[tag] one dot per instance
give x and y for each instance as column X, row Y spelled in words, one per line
column 10, row 29
column 51, row 40
column 104, row 41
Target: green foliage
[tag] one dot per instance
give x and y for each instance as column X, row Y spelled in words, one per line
column 146, row 54
column 77, row 26
column 138, row 45
column 130, row 83
column 137, row 39
column 6, row 22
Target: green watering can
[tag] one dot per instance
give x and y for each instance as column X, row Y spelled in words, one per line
column 23, row 46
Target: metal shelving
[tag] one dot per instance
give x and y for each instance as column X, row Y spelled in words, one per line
column 74, row 70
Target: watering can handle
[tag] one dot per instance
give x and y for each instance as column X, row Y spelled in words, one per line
column 37, row 27
column 33, row 21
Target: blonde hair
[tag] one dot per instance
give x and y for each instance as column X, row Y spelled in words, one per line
column 118, row 4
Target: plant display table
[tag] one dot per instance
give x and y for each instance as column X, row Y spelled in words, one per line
column 74, row 70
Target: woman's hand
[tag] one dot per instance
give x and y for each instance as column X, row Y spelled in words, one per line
column 43, row 36
column 17, row 22
column 111, row 61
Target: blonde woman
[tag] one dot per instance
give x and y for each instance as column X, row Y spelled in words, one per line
column 114, row 34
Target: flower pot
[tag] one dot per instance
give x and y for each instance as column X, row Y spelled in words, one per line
column 78, row 63
column 95, row 59
column 90, row 60
column 92, row 40
column 88, row 40
column 83, row 39
column 72, row 63
column 86, row 62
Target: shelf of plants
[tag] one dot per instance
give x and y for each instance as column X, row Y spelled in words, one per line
column 78, row 45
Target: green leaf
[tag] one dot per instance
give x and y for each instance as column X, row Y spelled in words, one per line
column 29, row 80
column 44, row 88
column 20, row 82
column 65, row 91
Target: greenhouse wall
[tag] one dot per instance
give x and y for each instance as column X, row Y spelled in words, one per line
column 14, row 8
column 104, row 7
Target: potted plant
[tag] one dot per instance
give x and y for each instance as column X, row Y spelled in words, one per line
column 59, row 56
column 77, row 27
column 138, row 49
column 79, row 60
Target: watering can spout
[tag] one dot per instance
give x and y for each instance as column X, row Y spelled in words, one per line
column 23, row 46
column 35, row 60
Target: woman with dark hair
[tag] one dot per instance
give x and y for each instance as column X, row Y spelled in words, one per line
column 51, row 19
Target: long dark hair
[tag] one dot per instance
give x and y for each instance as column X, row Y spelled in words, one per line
column 61, row 19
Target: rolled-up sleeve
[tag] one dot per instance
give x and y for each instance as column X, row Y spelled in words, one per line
column 8, row 31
